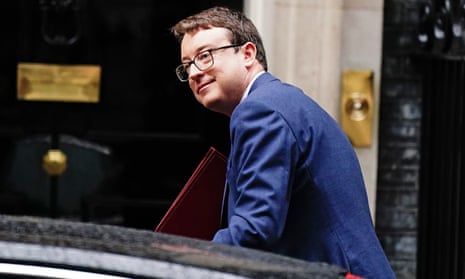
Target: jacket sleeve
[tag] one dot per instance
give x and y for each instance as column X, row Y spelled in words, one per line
column 262, row 162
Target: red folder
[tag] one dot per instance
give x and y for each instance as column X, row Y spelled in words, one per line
column 197, row 210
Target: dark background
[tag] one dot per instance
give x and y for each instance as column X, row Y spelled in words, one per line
column 130, row 153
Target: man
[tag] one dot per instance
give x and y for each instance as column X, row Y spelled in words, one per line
column 295, row 184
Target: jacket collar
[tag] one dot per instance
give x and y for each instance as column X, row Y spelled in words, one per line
column 262, row 79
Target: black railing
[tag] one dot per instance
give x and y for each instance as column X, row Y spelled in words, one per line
column 442, row 27
column 441, row 234
column 441, row 249
column 441, row 241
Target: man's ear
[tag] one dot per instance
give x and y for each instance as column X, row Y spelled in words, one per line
column 250, row 52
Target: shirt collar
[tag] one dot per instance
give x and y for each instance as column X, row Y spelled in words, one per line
column 247, row 90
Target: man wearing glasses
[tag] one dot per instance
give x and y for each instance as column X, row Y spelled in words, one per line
column 294, row 181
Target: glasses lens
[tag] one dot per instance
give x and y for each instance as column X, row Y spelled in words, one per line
column 203, row 60
column 181, row 72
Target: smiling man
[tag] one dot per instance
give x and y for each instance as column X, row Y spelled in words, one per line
column 295, row 185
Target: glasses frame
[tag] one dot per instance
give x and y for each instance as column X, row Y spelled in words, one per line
column 181, row 70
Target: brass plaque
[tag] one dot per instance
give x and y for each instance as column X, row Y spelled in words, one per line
column 58, row 83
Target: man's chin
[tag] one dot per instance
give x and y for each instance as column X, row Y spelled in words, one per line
column 212, row 105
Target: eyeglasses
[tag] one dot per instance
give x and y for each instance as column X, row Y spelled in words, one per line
column 202, row 61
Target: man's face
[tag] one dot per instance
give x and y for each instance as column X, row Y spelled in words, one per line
column 221, row 86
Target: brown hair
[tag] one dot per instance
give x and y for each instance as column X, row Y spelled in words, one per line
column 242, row 28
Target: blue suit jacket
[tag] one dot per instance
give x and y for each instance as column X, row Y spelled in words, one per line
column 295, row 184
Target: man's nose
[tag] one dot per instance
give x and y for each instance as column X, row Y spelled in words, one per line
column 194, row 71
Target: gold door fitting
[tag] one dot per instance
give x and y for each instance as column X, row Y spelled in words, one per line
column 357, row 106
column 58, row 83
column 54, row 162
